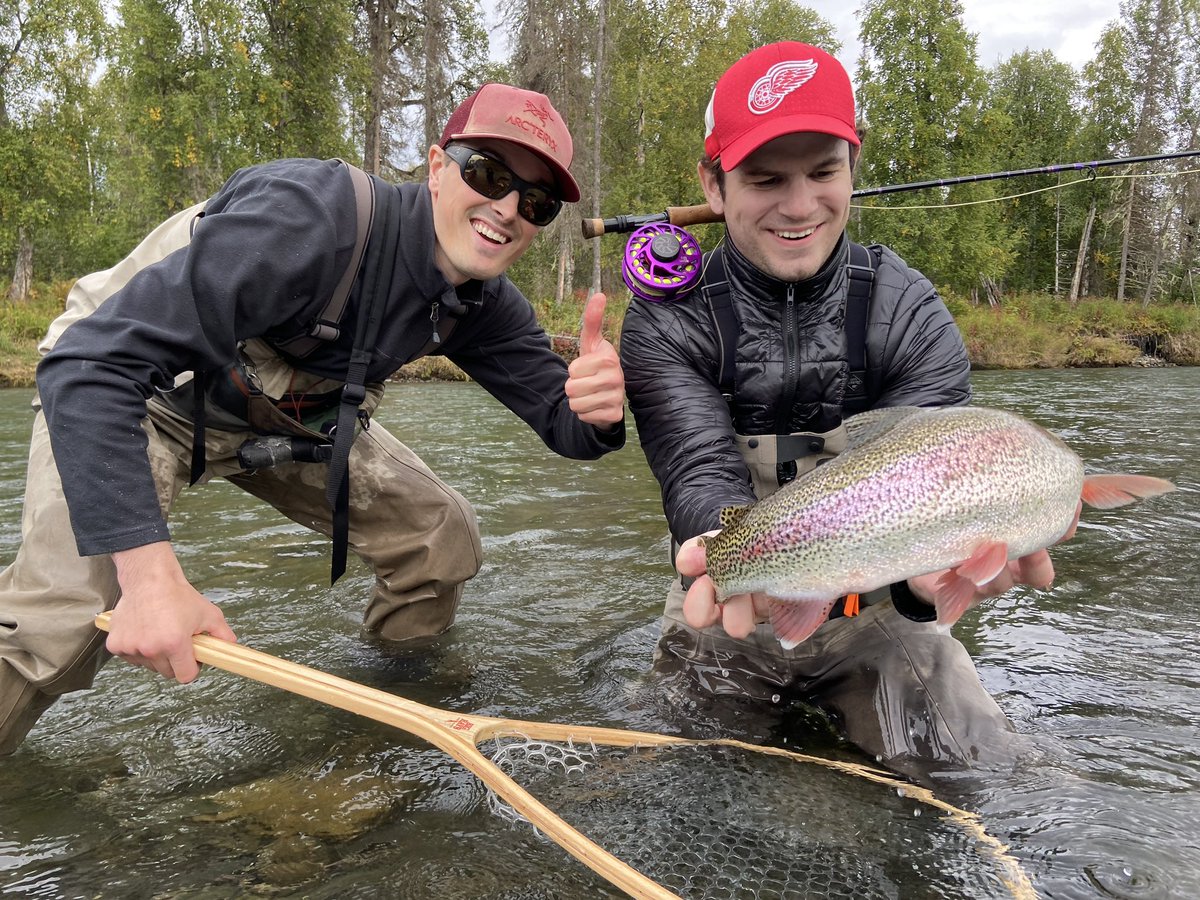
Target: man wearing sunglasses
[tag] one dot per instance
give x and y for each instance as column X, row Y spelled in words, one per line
column 227, row 295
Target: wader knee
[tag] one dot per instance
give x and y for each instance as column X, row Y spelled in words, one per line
column 419, row 618
column 22, row 701
column 21, row 705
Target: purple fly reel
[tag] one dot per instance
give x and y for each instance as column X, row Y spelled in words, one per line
column 661, row 262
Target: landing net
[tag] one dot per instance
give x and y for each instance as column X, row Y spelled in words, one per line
column 724, row 823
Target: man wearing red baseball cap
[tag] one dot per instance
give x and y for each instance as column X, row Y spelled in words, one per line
column 743, row 384
column 238, row 291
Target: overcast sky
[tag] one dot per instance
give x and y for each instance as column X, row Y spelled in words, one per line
column 1068, row 28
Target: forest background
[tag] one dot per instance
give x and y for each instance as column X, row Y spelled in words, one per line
column 115, row 115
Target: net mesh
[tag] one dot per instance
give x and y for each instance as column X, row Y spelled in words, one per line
column 719, row 822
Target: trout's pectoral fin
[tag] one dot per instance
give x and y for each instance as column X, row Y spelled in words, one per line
column 985, row 563
column 794, row 622
column 956, row 589
column 1111, row 491
column 952, row 597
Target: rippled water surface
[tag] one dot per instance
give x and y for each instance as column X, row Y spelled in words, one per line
column 143, row 788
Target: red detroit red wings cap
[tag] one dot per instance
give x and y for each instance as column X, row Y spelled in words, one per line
column 776, row 90
column 524, row 117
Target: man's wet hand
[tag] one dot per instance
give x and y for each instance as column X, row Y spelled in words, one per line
column 159, row 613
column 738, row 615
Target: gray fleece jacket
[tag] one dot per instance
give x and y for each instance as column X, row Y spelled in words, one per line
column 262, row 262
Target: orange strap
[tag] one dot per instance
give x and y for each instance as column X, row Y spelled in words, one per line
column 850, row 608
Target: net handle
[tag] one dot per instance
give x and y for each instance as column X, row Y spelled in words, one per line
column 458, row 734
column 454, row 733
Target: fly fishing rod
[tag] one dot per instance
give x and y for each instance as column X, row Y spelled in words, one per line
column 663, row 261
column 459, row 734
column 702, row 214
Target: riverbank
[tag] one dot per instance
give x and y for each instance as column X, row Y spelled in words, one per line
column 1024, row 332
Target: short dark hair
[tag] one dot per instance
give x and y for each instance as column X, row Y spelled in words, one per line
column 714, row 169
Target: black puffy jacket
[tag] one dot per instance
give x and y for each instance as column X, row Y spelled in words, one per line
column 791, row 367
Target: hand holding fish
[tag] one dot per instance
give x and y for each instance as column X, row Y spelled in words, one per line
column 595, row 383
column 961, row 502
column 738, row 615
column 741, row 613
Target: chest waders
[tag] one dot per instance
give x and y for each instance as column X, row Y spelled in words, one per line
column 260, row 390
column 776, row 459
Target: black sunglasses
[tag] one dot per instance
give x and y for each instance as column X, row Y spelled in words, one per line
column 490, row 177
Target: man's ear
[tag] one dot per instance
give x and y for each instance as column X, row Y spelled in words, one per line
column 712, row 188
column 437, row 165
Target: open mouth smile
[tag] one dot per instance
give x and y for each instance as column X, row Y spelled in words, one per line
column 795, row 235
column 489, row 233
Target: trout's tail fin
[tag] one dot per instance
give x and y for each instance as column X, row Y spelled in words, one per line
column 1110, row 491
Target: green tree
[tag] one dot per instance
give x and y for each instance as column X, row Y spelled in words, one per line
column 197, row 90
column 48, row 53
column 1134, row 105
column 922, row 94
column 301, row 91
column 1036, row 93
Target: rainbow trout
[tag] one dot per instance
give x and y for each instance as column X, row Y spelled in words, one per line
column 917, row 490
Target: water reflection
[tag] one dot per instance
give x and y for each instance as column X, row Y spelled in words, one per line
column 130, row 789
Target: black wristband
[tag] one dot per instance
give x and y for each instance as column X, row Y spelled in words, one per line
column 910, row 605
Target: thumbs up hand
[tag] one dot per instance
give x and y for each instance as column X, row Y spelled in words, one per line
column 595, row 383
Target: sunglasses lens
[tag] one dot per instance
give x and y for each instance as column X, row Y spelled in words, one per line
column 494, row 180
column 488, row 177
column 538, row 206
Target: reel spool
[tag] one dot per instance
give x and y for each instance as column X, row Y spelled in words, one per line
column 661, row 262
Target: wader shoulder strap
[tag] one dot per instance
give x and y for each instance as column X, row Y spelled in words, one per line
column 860, row 284
column 327, row 325
column 717, row 292
column 379, row 264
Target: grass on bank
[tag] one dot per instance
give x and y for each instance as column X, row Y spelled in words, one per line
column 1039, row 331
column 1025, row 331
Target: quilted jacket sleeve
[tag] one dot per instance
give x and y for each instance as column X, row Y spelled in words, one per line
column 915, row 353
column 669, row 358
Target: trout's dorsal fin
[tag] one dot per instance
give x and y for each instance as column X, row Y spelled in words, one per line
column 867, row 426
column 731, row 515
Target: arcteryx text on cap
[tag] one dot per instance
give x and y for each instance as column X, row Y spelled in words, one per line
column 775, row 90
column 523, row 117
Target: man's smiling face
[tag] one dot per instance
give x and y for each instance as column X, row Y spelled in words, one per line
column 478, row 238
column 787, row 203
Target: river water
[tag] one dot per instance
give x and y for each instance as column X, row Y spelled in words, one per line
column 143, row 788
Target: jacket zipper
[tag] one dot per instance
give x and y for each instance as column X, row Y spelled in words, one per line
column 791, row 355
